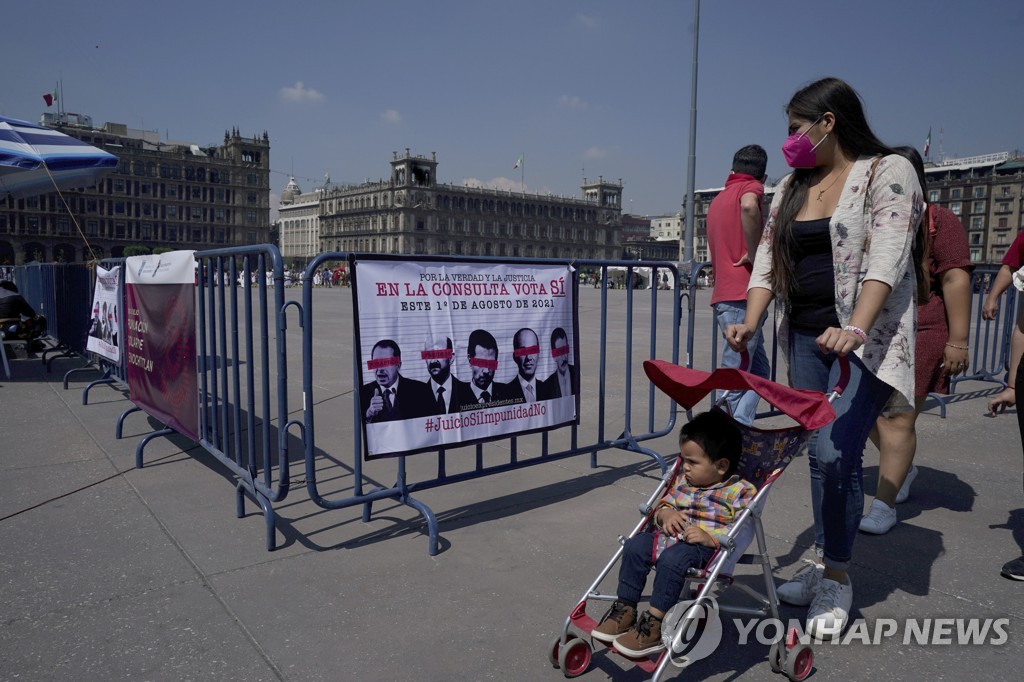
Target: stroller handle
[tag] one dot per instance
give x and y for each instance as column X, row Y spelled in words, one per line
column 844, row 378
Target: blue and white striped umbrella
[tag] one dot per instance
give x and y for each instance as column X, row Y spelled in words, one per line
column 36, row 160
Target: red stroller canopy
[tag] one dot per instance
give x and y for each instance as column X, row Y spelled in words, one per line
column 688, row 387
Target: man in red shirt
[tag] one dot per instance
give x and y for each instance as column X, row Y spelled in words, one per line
column 734, row 230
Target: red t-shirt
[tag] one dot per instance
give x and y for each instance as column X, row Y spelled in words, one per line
column 1015, row 254
column 726, row 242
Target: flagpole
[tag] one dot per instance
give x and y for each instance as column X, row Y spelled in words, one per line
column 522, row 174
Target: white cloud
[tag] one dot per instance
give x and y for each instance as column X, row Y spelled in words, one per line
column 572, row 102
column 588, row 21
column 300, row 93
column 595, row 153
column 391, row 116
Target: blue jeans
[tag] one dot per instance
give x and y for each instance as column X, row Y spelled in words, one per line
column 671, row 574
column 836, row 452
column 742, row 404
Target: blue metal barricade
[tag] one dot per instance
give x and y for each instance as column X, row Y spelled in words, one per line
column 591, row 436
column 990, row 339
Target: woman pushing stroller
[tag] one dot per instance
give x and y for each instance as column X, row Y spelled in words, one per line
column 836, row 253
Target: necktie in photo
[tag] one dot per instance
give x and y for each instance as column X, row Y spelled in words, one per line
column 440, row 400
column 389, row 404
column 485, row 397
column 530, row 397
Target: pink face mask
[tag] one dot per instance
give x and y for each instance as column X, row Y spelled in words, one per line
column 799, row 151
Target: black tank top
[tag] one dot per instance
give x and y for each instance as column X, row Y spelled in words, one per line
column 813, row 303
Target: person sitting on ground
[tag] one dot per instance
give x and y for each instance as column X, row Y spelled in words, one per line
column 17, row 318
column 690, row 521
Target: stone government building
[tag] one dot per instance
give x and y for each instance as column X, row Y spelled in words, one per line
column 162, row 194
column 411, row 213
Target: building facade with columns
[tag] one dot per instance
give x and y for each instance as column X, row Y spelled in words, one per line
column 168, row 194
column 299, row 223
column 412, row 213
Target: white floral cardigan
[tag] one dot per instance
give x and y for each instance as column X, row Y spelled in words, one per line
column 872, row 238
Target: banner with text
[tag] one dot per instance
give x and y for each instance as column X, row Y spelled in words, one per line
column 104, row 323
column 454, row 353
column 160, row 348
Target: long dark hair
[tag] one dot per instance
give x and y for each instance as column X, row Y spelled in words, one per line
column 922, row 240
column 855, row 137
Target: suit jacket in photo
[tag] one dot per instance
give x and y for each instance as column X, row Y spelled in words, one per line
column 549, row 388
column 413, row 400
column 461, row 395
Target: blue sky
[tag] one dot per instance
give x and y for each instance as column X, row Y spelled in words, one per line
column 598, row 87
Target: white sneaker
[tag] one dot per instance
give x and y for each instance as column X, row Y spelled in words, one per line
column 830, row 610
column 879, row 520
column 802, row 587
column 904, row 492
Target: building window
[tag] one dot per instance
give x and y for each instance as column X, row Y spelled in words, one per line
column 147, row 231
column 251, row 197
column 976, row 239
column 933, row 196
column 197, row 213
column 956, row 193
column 977, row 223
column 62, row 226
column 250, row 216
column 119, row 207
column 975, row 255
column 92, row 228
column 119, row 185
column 119, row 230
column 955, row 207
column 172, row 192
column 250, row 179
column 1003, row 222
column 172, row 211
column 978, row 207
column 1007, row 192
column 979, row 192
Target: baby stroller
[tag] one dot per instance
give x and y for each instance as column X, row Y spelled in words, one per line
column 766, row 453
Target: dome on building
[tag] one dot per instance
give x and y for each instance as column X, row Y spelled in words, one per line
column 291, row 191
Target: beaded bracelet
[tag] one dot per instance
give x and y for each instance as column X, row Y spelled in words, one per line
column 858, row 331
column 953, row 345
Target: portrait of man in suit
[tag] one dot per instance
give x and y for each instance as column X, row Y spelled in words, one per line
column 483, row 363
column 562, row 381
column 392, row 396
column 526, row 355
column 445, row 389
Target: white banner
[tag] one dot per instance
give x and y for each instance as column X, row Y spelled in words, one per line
column 105, row 320
column 453, row 353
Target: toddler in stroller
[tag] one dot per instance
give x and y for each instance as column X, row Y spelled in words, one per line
column 690, row 520
column 714, row 533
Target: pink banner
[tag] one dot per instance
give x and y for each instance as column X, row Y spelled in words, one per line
column 160, row 331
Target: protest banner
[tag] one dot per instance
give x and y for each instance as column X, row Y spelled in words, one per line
column 454, row 353
column 104, row 322
column 160, row 331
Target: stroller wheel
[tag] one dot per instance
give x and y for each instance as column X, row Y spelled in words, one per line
column 574, row 657
column 799, row 662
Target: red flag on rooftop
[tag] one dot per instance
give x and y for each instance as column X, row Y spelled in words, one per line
column 50, row 98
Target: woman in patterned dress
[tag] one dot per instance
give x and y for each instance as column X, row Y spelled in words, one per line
column 943, row 325
column 836, row 253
